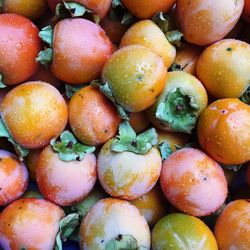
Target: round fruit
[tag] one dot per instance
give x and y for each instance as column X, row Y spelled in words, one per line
column 128, row 175
column 113, row 222
column 65, row 183
column 146, row 33
column 246, row 11
column 138, row 121
column 146, row 9
column 136, row 77
column 181, row 231
column 92, row 117
column 223, row 131
column 29, row 224
column 13, row 177
column 19, row 46
column 34, row 113
column 224, row 68
column 193, row 182
column 204, row 22
column 79, row 58
column 232, row 226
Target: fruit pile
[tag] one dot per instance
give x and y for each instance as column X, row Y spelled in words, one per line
column 125, row 124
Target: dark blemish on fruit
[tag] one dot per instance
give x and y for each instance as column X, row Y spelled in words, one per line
column 20, row 208
column 102, row 241
column 0, row 188
column 139, row 77
column 152, row 90
column 205, row 178
column 223, row 111
column 119, row 237
column 229, row 49
column 1, row 159
column 105, row 131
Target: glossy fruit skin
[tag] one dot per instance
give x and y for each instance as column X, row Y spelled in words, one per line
column 20, row 45
column 246, row 11
column 187, row 57
column 152, row 205
column 13, row 178
column 65, row 183
column 79, row 58
column 191, row 86
column 232, row 226
column 100, row 7
column 146, row 33
column 35, row 113
column 224, row 68
column 223, row 131
column 92, row 117
column 193, row 182
column 136, row 76
column 30, row 9
column 205, row 22
column 128, row 175
column 146, row 9
column 138, row 121
column 110, row 217
column 38, row 218
column 180, row 231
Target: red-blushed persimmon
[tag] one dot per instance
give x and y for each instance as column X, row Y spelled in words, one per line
column 99, row 7
column 13, row 177
column 92, row 117
column 136, row 77
column 152, row 205
column 29, row 223
column 148, row 34
column 31, row 162
column 65, row 183
column 34, row 113
column 186, row 59
column 224, row 68
column 79, row 58
column 114, row 29
column 248, row 174
column 223, row 131
column 182, row 231
column 232, row 226
column 30, row 9
column 193, row 182
column 204, row 22
column 246, row 11
column 19, row 46
column 138, row 121
column 146, row 9
column 111, row 221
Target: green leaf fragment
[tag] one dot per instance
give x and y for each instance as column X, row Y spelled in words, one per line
column 246, row 96
column 46, row 34
column 76, row 9
column 21, row 151
column 165, row 150
column 69, row 149
column 71, row 90
column 116, row 3
column 45, row 57
column 174, row 37
column 2, row 85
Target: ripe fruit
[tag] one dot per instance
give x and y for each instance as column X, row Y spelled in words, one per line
column 138, row 121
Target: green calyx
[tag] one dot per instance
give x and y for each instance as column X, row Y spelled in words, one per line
column 1, row 4
column 246, row 96
column 2, row 85
column 165, row 150
column 178, row 111
column 46, row 34
column 107, row 91
column 175, row 67
column 69, row 149
column 45, row 57
column 67, row 227
column 70, row 90
column 127, row 140
column 4, row 133
column 123, row 241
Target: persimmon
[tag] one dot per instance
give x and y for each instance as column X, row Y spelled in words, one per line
column 232, row 226
column 34, row 113
column 246, row 11
column 193, row 182
column 223, row 131
column 138, row 121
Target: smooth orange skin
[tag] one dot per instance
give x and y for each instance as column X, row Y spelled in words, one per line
column 193, row 182
column 31, row 161
column 136, row 76
column 223, row 131
column 114, row 29
column 92, row 117
column 187, row 58
column 146, row 9
column 232, row 226
column 225, row 73
column 13, row 178
column 65, row 183
column 30, row 9
column 138, row 121
column 79, row 58
column 246, row 11
column 34, row 113
column 146, row 33
column 29, row 223
column 19, row 46
column 205, row 22
column 152, row 205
